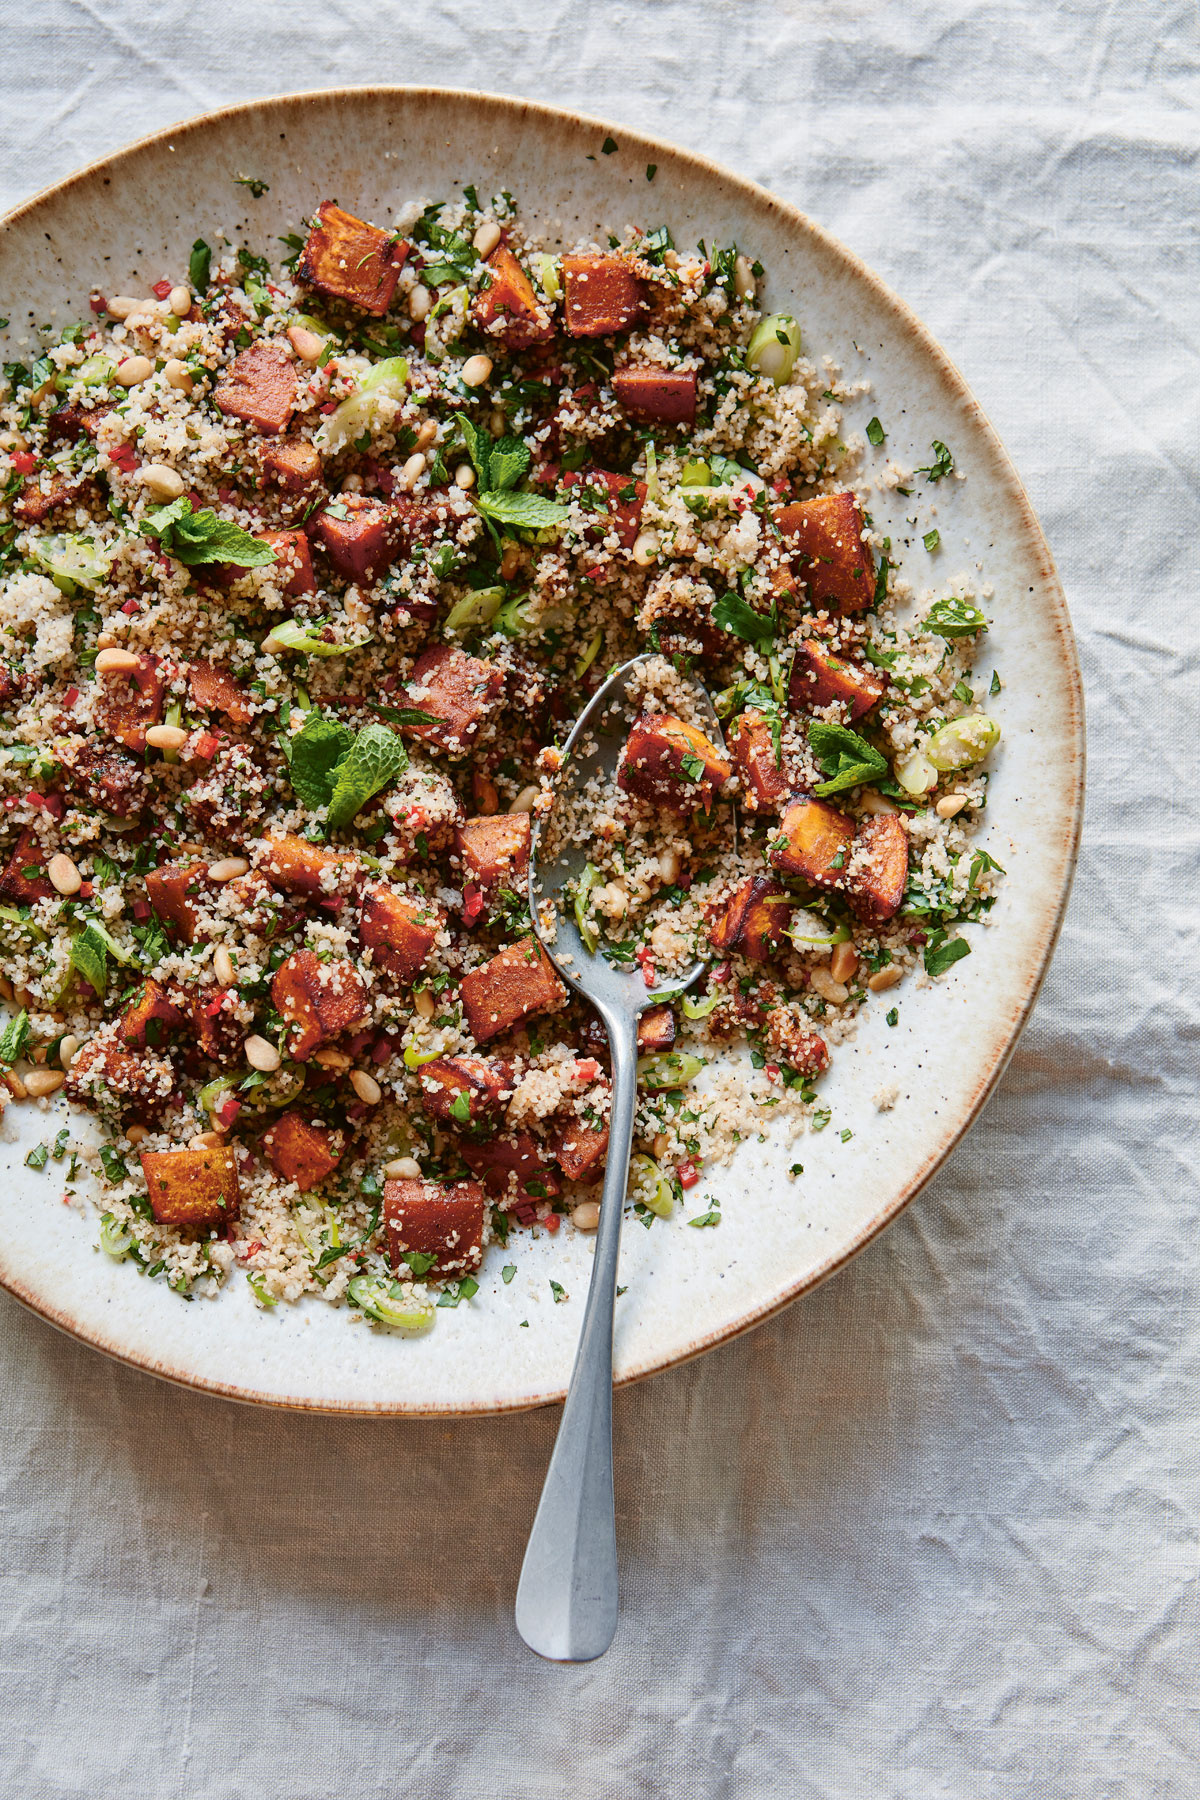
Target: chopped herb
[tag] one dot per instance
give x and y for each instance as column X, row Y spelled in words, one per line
column 420, row 1261
column 199, row 265
column 37, row 1157
column 733, row 614
column 466, row 1289
column 846, row 1134
column 893, row 1017
column 942, row 464
column 932, row 539
column 606, row 149
column 60, row 1143
column 559, row 1292
column 15, row 1036
column 940, row 957
column 796, row 1169
column 651, row 172
column 963, row 692
column 711, row 1217
column 507, row 1273
column 995, row 686
column 875, row 432
column 114, row 1167
column 821, row 1118
column 460, row 1108
column 954, row 618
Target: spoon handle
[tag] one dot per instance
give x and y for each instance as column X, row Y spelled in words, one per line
column 567, row 1595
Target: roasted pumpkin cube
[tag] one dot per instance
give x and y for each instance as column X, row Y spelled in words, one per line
column 68, row 424
column 766, row 780
column 465, row 1090
column 130, row 703
column 350, row 260
column 513, row 1168
column 147, row 1019
column 293, row 465
column 788, row 1030
column 105, row 1074
column 106, row 777
column 434, row 1218
column 671, row 764
column 623, row 499
column 319, row 1000
column 494, row 850
column 510, row 310
column 193, row 1187
column 361, row 536
column 580, row 1149
column 259, row 388
column 828, row 554
column 518, row 984
column 51, row 492
column 878, row 872
column 457, row 691
column 24, row 879
column 398, row 929
column 666, row 396
column 814, row 842
column 293, row 561
column 820, row 679
column 755, row 920
column 173, row 890
column 602, row 294
column 656, row 1029
column 294, row 865
column 213, row 689
column 302, row 1150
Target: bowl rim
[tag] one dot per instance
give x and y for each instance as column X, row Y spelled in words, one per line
column 518, row 109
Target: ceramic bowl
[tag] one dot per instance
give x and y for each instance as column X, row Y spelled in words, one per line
column 124, row 224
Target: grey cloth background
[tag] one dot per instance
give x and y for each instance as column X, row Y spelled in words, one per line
column 934, row 1532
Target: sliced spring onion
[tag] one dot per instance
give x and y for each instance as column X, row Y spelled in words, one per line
column 546, row 269
column 700, row 1009
column 115, row 1239
column 413, row 1058
column 961, row 742
column 513, row 618
column 172, row 716
column 774, row 347
column 93, row 371
column 916, row 774
column 290, row 634
column 72, row 558
column 387, row 380
column 213, row 1092
column 668, row 1069
column 653, row 485
column 589, row 656
column 809, row 931
column 648, row 1184
column 259, row 1287
column 388, row 1304
column 591, row 878
column 696, row 474
column 479, row 608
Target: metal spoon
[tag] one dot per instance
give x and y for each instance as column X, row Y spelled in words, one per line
column 567, row 1596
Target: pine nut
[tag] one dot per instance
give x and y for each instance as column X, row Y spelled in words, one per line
column 843, row 962
column 307, row 345
column 180, row 301
column 645, row 548
column 874, row 803
column 366, row 1087
column 662, row 1144
column 403, row 1168
column 424, row 1002
column 427, row 434
column 464, row 476
column 223, row 967
column 166, row 737
column 40, row 1082
column 510, row 562
column 105, row 640
column 14, row 1084
column 12, row 440
column 586, row 1216
column 883, row 979
column 25, row 998
column 178, row 375
column 526, row 800
column 413, row 470
column 337, row 1060
column 950, row 805
column 205, row 1140
column 63, row 873
column 274, row 647
column 136, row 1134
column 822, row 982
column 117, row 662
column 261, row 1055
column 163, row 481
column 419, row 302
column 487, row 237
column 68, row 1048
column 669, row 865
column 476, row 370
column 743, row 278
column 121, row 305
column 133, row 370
column 227, row 868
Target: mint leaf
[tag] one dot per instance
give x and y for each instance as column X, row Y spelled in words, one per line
column 938, row 960
column 508, row 460
column 731, row 613
column 14, row 1038
column 848, row 760
column 528, row 510
column 954, row 618
column 316, row 750
column 201, row 537
column 90, row 958
column 374, row 759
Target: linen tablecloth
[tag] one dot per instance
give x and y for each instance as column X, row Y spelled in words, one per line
column 933, row 1532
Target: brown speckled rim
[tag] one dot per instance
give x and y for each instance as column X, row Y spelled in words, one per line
column 513, row 112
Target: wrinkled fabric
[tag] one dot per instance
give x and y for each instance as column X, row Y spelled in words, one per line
column 934, row 1531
